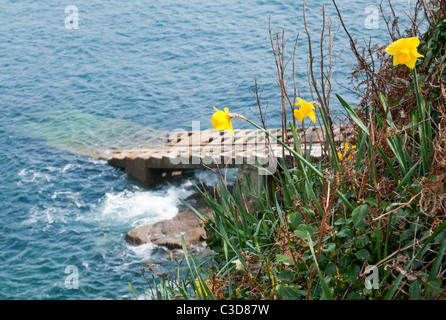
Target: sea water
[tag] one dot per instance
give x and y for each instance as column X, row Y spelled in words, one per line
column 82, row 77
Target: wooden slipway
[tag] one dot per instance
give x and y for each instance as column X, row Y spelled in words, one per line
column 209, row 148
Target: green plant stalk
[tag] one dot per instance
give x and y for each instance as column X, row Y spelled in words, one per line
column 422, row 123
column 221, row 230
column 334, row 156
column 310, row 191
column 325, row 289
column 396, row 145
column 193, row 271
column 359, row 156
column 389, row 220
column 378, row 240
column 371, row 158
column 389, row 164
column 133, row 290
column 353, row 115
column 438, row 260
column 395, row 142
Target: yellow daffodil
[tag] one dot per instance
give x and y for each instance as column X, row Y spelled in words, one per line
column 346, row 148
column 222, row 120
column 238, row 264
column 306, row 110
column 404, row 51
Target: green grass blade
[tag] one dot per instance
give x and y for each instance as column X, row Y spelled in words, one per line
column 133, row 290
column 353, row 115
column 325, row 289
column 389, row 164
column 360, row 152
column 334, row 154
column 406, row 178
column 438, row 260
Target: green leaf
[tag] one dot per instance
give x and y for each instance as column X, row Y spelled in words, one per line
column 361, row 150
column 353, row 115
column 285, row 275
column 359, row 214
column 340, row 222
column 353, row 271
column 330, row 247
column 434, row 285
column 405, row 235
column 343, row 263
column 285, row 259
column 354, row 296
column 362, row 241
column 334, row 155
column 372, row 202
column 309, row 211
column 294, row 219
column 288, row 292
column 415, row 290
column 363, row 254
column 399, row 215
column 345, row 233
column 405, row 178
column 389, row 164
column 303, row 229
column 331, row 269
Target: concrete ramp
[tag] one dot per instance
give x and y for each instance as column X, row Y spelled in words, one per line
column 209, row 148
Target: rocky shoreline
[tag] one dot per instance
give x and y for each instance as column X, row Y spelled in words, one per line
column 167, row 233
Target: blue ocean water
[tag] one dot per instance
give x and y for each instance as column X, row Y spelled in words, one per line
column 132, row 69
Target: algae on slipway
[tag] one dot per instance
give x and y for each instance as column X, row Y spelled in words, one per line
column 89, row 134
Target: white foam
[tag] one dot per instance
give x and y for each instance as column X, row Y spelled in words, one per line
column 138, row 207
column 46, row 216
column 65, row 194
column 31, row 176
column 141, row 250
column 67, row 167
